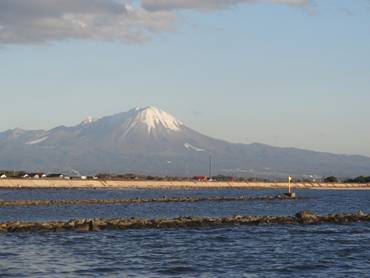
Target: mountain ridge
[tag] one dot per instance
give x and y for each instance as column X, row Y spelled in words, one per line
column 151, row 141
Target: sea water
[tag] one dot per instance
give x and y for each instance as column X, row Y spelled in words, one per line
column 329, row 250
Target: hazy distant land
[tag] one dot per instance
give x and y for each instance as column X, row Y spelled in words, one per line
column 152, row 142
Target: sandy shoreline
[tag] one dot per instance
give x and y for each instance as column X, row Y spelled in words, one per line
column 56, row 183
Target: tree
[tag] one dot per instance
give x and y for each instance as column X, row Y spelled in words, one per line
column 331, row 179
column 360, row 179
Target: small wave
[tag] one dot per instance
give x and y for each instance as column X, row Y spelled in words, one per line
column 177, row 270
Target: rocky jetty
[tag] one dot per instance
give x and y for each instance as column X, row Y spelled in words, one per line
column 145, row 200
column 89, row 225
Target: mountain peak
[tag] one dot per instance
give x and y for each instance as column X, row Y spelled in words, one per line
column 154, row 117
column 15, row 132
column 88, row 120
column 144, row 140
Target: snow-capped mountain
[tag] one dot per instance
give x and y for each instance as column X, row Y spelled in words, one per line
column 151, row 141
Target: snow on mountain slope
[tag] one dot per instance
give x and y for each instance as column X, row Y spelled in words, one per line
column 153, row 117
column 37, row 141
column 191, row 147
column 88, row 120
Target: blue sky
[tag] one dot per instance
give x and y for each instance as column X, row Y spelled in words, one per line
column 286, row 75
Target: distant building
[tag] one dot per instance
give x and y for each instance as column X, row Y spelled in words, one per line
column 200, row 178
column 56, row 176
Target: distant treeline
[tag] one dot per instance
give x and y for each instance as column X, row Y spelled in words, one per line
column 105, row 176
column 131, row 176
column 12, row 174
column 223, row 178
column 360, row 179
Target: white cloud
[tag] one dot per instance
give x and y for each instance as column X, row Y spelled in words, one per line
column 40, row 21
column 37, row 21
column 205, row 5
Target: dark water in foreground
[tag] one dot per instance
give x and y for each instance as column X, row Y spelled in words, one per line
column 247, row 251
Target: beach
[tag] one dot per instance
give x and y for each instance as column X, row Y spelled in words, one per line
column 75, row 183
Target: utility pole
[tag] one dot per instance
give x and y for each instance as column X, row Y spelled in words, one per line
column 210, row 167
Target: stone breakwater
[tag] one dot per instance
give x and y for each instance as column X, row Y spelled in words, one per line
column 89, row 225
column 145, row 200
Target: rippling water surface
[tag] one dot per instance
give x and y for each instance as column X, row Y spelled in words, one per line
column 244, row 251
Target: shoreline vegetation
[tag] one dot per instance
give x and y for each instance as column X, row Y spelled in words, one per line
column 148, row 184
column 95, row 225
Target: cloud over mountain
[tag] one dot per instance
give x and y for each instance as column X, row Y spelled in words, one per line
column 40, row 21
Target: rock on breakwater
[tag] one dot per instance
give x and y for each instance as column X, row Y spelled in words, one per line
column 89, row 225
column 145, row 200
